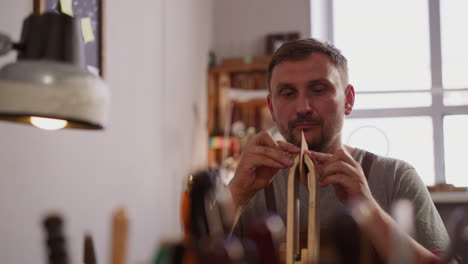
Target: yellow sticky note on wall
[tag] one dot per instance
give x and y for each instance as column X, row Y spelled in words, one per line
column 66, row 7
column 87, row 29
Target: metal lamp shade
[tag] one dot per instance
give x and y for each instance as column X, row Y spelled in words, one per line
column 49, row 79
column 53, row 90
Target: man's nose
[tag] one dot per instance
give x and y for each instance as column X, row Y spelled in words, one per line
column 303, row 106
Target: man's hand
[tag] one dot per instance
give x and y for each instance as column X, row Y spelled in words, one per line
column 343, row 173
column 261, row 158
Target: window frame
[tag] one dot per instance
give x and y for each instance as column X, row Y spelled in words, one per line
column 322, row 27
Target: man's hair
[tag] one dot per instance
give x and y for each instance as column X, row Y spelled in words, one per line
column 300, row 49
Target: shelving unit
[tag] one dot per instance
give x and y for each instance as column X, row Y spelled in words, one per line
column 237, row 91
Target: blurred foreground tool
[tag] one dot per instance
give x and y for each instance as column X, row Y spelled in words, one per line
column 402, row 213
column 185, row 209
column 207, row 214
column 226, row 251
column 458, row 231
column 350, row 245
column 56, row 243
column 164, row 254
column 306, row 169
column 205, row 221
column 210, row 214
column 119, row 236
column 172, row 253
column 89, row 255
column 266, row 232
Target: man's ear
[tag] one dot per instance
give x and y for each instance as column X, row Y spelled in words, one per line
column 270, row 107
column 349, row 102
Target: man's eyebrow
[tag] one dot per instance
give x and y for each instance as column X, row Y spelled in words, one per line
column 282, row 86
column 322, row 81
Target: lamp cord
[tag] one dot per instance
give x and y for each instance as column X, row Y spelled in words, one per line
column 6, row 45
column 18, row 46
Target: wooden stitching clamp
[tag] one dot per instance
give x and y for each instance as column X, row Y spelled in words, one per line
column 309, row 255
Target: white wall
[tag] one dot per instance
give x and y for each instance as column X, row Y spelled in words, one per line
column 156, row 56
column 241, row 26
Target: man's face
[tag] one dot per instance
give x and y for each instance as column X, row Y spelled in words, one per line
column 309, row 95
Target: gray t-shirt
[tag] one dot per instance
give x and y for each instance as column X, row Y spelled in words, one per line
column 389, row 180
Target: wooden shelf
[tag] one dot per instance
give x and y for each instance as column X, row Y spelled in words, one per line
column 237, row 91
column 239, row 68
column 449, row 197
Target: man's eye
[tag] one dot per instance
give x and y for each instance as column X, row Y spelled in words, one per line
column 319, row 89
column 287, row 93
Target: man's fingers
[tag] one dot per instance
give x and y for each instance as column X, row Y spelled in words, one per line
column 321, row 157
column 265, row 161
column 264, row 138
column 344, row 173
column 282, row 157
column 338, row 166
column 343, row 155
column 288, row 147
column 326, row 158
column 337, row 178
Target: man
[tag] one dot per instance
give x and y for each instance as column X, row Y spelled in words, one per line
column 309, row 92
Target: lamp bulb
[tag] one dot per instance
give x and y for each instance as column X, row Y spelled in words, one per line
column 48, row 123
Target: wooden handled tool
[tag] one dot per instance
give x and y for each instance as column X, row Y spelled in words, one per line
column 119, row 236
column 265, row 233
column 56, row 242
column 309, row 255
column 89, row 255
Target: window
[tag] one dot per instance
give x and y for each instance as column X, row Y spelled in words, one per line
column 385, row 136
column 408, row 62
column 454, row 43
column 456, row 150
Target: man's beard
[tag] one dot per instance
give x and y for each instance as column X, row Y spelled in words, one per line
column 317, row 143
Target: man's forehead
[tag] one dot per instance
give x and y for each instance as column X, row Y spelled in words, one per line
column 314, row 67
column 314, row 59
